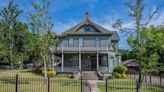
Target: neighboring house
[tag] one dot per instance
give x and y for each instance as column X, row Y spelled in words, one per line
column 88, row 47
column 132, row 65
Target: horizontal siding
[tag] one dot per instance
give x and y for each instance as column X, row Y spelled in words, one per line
column 89, row 41
column 75, row 42
column 104, row 41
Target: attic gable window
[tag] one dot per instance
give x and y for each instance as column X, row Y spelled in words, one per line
column 87, row 28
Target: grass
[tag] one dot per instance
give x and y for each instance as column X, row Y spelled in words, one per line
column 127, row 85
column 30, row 82
column 22, row 73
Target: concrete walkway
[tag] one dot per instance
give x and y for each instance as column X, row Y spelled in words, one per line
column 91, row 86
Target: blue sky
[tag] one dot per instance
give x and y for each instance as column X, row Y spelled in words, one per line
column 67, row 13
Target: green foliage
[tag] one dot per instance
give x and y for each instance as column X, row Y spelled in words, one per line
column 127, row 54
column 12, row 35
column 50, row 73
column 110, row 77
column 41, row 26
column 19, row 41
column 152, row 46
column 119, row 75
column 120, row 69
column 123, row 76
column 120, row 72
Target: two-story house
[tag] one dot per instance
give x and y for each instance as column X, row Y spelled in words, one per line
column 88, row 47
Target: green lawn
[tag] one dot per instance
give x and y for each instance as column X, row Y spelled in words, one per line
column 126, row 85
column 22, row 73
column 30, row 82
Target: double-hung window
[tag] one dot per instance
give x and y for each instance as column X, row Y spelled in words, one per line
column 81, row 42
column 70, row 41
column 111, row 62
column 97, row 43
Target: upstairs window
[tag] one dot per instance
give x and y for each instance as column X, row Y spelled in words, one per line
column 70, row 42
column 81, row 42
column 97, row 42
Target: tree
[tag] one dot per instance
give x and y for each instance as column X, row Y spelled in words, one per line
column 52, row 42
column 12, row 34
column 152, row 40
column 161, row 52
column 136, row 39
column 127, row 54
column 40, row 25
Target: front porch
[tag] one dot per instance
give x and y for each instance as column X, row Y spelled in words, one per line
column 84, row 62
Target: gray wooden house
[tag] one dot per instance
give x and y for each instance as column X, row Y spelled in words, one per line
column 88, row 47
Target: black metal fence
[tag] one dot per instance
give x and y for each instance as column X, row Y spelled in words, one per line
column 151, row 79
column 27, row 84
column 128, row 85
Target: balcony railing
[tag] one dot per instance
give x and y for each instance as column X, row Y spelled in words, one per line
column 76, row 49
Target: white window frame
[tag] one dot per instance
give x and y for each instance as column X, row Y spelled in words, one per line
column 111, row 62
column 97, row 41
column 81, row 42
column 70, row 42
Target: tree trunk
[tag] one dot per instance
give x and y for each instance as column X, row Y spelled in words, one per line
column 53, row 62
column 45, row 72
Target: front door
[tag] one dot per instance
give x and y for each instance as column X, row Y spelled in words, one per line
column 86, row 62
column 93, row 63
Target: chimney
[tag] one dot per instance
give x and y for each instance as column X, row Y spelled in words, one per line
column 86, row 15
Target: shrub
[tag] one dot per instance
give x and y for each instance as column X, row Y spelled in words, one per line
column 118, row 75
column 123, row 76
column 110, row 77
column 120, row 69
column 119, row 72
column 50, row 73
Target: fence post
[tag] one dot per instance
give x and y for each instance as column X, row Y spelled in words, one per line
column 160, row 80
column 138, row 86
column 48, row 83
column 150, row 79
column 106, row 82
column 81, row 85
column 16, row 85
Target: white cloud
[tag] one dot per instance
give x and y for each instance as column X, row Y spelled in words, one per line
column 61, row 27
column 157, row 20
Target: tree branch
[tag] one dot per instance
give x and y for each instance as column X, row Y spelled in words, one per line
column 152, row 14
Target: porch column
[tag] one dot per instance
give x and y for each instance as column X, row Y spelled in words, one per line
column 97, row 58
column 62, row 59
column 97, row 61
column 62, row 62
column 80, row 61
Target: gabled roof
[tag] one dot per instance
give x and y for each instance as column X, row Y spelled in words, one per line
column 132, row 62
column 111, row 48
column 99, row 29
column 85, row 22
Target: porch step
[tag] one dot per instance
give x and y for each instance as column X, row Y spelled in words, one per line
column 89, row 75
